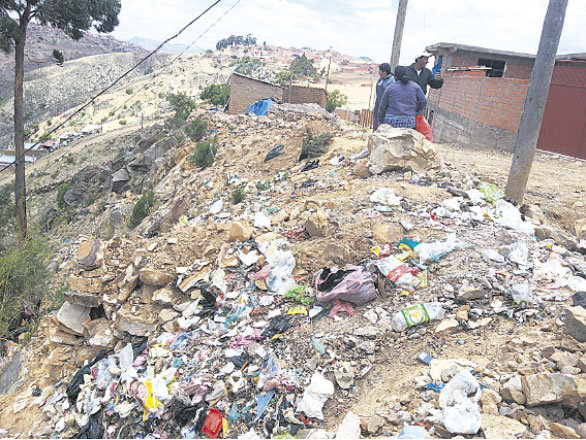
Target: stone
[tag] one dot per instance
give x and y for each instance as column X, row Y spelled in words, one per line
column 90, row 180
column 318, row 225
column 239, row 232
column 83, row 299
column 400, row 148
column 361, row 171
column 128, row 284
column 462, row 313
column 447, row 326
column 167, row 315
column 88, row 285
column 225, row 259
column 581, row 430
column 350, row 426
column 570, row 370
column 536, row 423
column 575, row 325
column 534, row 212
column 544, row 388
column 384, row 232
column 373, row 423
column 166, row 295
column 366, row 331
column 562, row 431
column 512, row 391
column 72, row 316
column 488, row 397
column 580, row 228
column 99, row 334
column 120, row 181
column 565, row 359
column 581, row 364
column 59, row 337
column 190, row 281
column 155, row 278
column 344, row 375
column 138, row 321
column 467, row 293
column 501, row 426
column 90, row 254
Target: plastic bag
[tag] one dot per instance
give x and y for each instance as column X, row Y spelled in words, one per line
column 519, row 253
column 521, row 293
column 385, row 196
column 423, row 127
column 354, row 285
column 461, row 413
column 413, row 432
column 491, row 192
column 280, row 279
column 437, row 249
column 315, row 395
column 510, row 217
column 459, row 388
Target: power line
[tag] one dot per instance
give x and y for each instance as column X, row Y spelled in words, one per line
column 120, row 78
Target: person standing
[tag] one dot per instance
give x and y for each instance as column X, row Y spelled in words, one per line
column 386, row 78
column 422, row 75
column 401, row 101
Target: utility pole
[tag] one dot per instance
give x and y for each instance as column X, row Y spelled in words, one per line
column 399, row 25
column 535, row 100
column 329, row 65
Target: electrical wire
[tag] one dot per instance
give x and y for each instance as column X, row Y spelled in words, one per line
column 120, row 78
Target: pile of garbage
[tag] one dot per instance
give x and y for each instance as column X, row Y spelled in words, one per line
column 274, row 316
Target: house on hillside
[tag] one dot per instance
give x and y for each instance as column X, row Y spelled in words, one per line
column 483, row 96
column 91, row 129
column 245, row 91
column 7, row 161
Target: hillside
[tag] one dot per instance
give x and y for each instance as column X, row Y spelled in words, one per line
column 149, row 44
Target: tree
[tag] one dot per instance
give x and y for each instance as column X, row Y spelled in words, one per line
column 335, row 99
column 303, row 66
column 72, row 17
column 217, row 94
column 182, row 104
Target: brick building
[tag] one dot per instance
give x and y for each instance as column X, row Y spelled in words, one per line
column 245, row 91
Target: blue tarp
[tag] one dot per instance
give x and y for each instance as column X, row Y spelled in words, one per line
column 260, row 107
column 438, row 67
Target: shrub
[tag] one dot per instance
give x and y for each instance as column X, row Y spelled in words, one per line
column 142, row 208
column 335, row 99
column 204, row 154
column 217, row 94
column 129, row 91
column 23, row 282
column 262, row 186
column 7, row 211
column 122, row 121
column 61, row 190
column 238, row 195
column 182, row 105
column 314, row 146
column 196, row 129
column 49, row 122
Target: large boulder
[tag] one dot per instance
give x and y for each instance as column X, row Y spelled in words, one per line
column 90, row 181
column 576, row 322
column 545, row 388
column 120, row 181
column 400, row 148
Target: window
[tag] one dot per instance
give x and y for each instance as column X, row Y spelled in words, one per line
column 497, row 67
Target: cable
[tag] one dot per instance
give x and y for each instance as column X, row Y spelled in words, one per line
column 120, row 78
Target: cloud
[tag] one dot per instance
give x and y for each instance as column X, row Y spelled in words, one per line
column 357, row 28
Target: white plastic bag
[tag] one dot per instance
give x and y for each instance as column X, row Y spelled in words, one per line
column 435, row 250
column 385, row 196
column 315, row 395
column 461, row 413
column 261, row 220
column 280, row 278
column 519, row 253
column 508, row 216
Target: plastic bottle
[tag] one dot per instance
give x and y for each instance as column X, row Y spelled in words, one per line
column 435, row 250
column 417, row 314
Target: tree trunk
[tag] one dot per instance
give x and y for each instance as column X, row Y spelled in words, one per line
column 20, row 179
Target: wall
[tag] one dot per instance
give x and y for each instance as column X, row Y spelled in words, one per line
column 515, row 67
column 245, row 91
column 478, row 110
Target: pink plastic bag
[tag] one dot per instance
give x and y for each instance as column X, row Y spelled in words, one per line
column 354, row 285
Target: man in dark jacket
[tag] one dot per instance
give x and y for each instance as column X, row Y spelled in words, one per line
column 386, row 79
column 422, row 75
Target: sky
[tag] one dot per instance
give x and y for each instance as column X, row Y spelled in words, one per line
column 356, row 27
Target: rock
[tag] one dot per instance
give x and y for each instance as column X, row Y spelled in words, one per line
column 367, row 346
column 167, row 315
column 581, row 364
column 120, row 181
column 543, row 388
column 367, row 331
column 490, row 397
column 512, row 391
column 534, row 212
column 575, row 325
column 138, row 321
column 72, row 316
column 128, row 284
column 350, row 426
column 239, row 232
column 344, row 375
column 467, row 293
column 318, row 225
column 384, row 232
column 398, row 148
column 361, row 171
column 59, row 337
column 90, row 254
column 190, row 281
column 99, row 334
column 501, row 427
column 155, row 278
column 166, row 295
column 447, row 326
column 88, row 285
column 562, row 431
column 83, row 299
column 570, row 370
column 565, row 359
column 581, row 430
column 89, row 181
column 373, row 423
column 536, row 423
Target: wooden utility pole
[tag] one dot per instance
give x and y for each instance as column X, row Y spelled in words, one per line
column 536, row 99
column 328, row 75
column 399, row 25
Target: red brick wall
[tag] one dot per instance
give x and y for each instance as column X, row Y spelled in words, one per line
column 514, row 67
column 303, row 95
column 497, row 102
column 246, row 91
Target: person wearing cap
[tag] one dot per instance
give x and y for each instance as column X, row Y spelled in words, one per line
column 386, row 78
column 422, row 75
column 401, row 101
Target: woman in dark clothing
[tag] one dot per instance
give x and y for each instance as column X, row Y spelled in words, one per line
column 386, row 79
column 401, row 101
